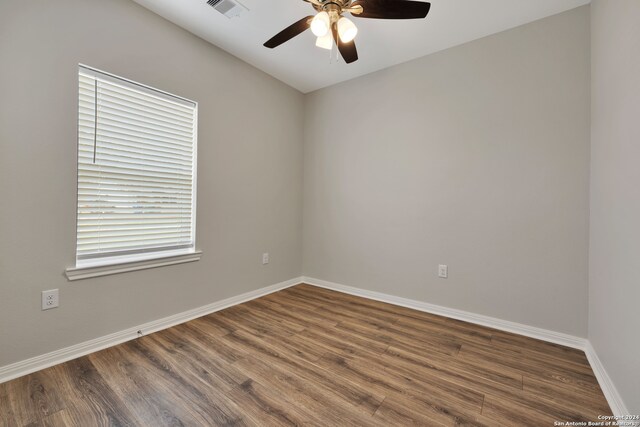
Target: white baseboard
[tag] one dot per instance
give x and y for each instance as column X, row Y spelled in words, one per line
column 478, row 319
column 608, row 388
column 43, row 361
column 613, row 397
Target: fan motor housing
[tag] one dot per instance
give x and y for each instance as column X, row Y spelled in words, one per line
column 332, row 5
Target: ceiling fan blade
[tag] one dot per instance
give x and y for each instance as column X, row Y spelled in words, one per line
column 392, row 9
column 347, row 50
column 290, row 32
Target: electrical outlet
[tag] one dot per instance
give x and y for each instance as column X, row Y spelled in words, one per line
column 50, row 299
column 265, row 258
column 443, row 271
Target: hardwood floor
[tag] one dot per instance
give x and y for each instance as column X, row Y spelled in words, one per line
column 306, row 355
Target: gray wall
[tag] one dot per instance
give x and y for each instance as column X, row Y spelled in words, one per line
column 249, row 170
column 476, row 157
column 614, row 273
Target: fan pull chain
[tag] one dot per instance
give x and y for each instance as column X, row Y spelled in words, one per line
column 333, row 54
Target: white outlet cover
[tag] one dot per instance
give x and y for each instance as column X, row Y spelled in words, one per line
column 443, row 271
column 50, row 299
column 265, row 258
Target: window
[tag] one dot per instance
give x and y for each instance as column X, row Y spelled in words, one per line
column 136, row 172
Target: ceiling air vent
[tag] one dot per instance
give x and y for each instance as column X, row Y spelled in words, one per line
column 229, row 8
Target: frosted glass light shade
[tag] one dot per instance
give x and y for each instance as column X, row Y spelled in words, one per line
column 347, row 30
column 325, row 42
column 320, row 24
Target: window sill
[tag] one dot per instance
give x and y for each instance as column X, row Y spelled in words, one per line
column 79, row 273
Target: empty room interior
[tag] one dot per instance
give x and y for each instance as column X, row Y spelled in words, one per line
column 319, row 212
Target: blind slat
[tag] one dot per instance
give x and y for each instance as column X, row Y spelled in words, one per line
column 133, row 141
column 143, row 119
column 139, row 163
column 116, row 167
column 123, row 178
column 97, row 237
column 120, row 217
column 86, row 100
column 113, row 250
column 148, row 127
column 119, row 197
column 128, row 244
column 135, row 97
column 120, row 148
column 139, row 227
column 107, row 124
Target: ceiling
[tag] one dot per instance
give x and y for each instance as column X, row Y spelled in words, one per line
column 380, row 43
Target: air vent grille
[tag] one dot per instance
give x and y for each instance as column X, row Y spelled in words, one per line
column 229, row 8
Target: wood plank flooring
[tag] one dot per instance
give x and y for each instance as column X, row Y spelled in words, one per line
column 310, row 356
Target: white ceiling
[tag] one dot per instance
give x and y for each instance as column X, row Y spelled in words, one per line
column 380, row 43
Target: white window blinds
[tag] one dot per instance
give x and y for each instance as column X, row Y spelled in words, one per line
column 136, row 170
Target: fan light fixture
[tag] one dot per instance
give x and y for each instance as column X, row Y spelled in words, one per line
column 347, row 30
column 320, row 24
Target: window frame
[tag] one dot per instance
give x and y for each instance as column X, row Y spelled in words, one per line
column 138, row 259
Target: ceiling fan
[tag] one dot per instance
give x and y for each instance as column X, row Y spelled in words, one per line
column 328, row 25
